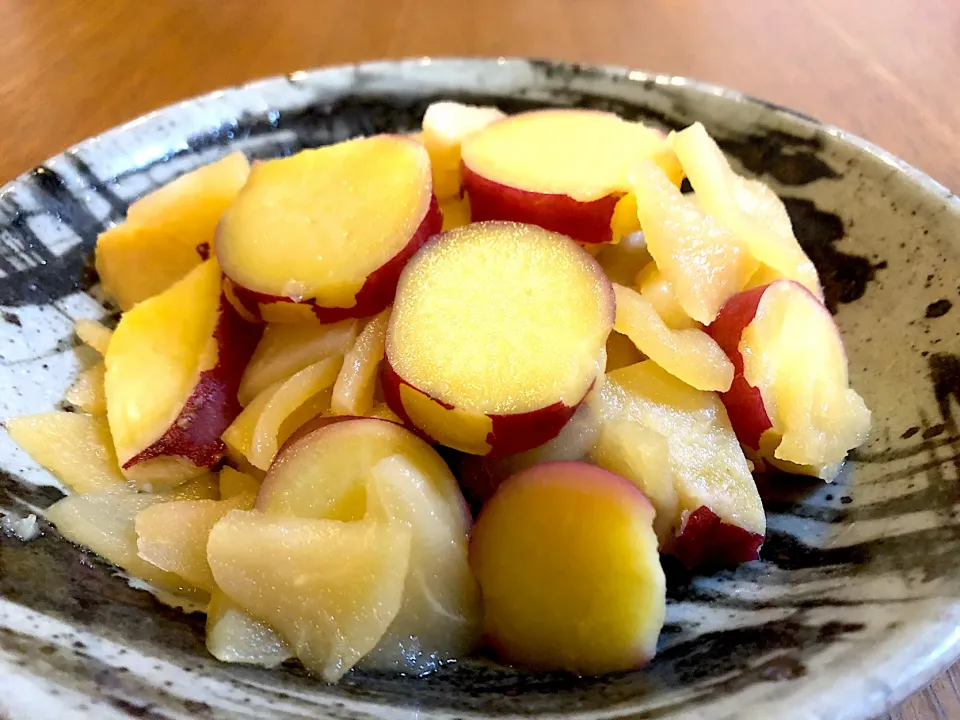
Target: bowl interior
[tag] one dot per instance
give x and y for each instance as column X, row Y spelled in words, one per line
column 856, row 600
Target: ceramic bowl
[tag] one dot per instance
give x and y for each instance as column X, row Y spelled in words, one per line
column 856, row 601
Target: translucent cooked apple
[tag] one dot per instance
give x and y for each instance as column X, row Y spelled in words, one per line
column 104, row 523
column 562, row 169
column 330, row 228
column 265, row 424
column 76, row 448
column 439, row 619
column 287, row 348
column 658, row 291
column 691, row 354
column 750, row 209
column 705, row 263
column 94, row 334
column 87, row 391
column 355, row 386
column 496, row 368
column 708, row 466
column 330, row 589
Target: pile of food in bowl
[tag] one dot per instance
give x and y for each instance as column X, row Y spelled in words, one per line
column 324, row 361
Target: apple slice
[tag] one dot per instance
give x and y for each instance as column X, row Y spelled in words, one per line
column 445, row 125
column 691, row 355
column 104, row 523
column 642, row 456
column 287, row 348
column 567, row 562
column 329, row 588
column 440, row 617
column 173, row 368
column 204, row 487
column 621, row 352
column 94, row 334
column 509, row 377
column 266, row 423
column 173, row 535
column 168, row 232
column 233, row 483
column 355, row 386
column 235, row 637
column 658, row 291
column 562, row 169
column 623, row 260
column 76, row 448
column 705, row 263
column 710, row 472
column 808, row 407
column 750, row 209
column 87, row 391
column 329, row 228
column 323, row 473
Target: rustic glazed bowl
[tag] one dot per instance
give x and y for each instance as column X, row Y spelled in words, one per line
column 856, row 601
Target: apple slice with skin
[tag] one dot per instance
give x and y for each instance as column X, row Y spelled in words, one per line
column 329, row 588
column 508, row 378
column 168, row 232
column 287, row 348
column 750, row 209
column 354, row 389
column 567, row 562
column 104, row 523
column 440, row 617
column 808, row 406
column 329, row 229
column 658, row 291
column 172, row 372
column 691, row 355
column 562, row 169
column 323, row 472
column 710, row 472
column 354, row 468
column 705, row 263
column 445, row 125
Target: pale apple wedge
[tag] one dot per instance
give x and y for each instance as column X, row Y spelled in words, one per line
column 705, row 263
column 330, row 589
column 750, row 209
column 691, row 355
column 76, row 448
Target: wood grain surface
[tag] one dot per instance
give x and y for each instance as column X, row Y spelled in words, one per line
column 884, row 69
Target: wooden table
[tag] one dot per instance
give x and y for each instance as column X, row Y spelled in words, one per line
column 884, row 69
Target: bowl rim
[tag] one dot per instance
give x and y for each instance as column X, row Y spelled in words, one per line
column 930, row 664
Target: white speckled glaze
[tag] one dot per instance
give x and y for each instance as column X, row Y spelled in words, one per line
column 856, row 601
